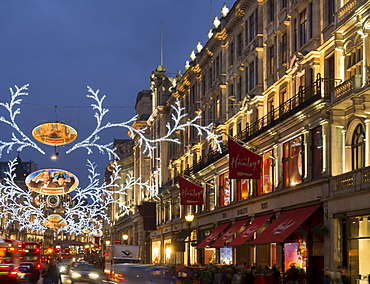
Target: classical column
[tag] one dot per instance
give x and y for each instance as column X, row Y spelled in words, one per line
column 367, row 141
column 343, row 150
column 324, row 124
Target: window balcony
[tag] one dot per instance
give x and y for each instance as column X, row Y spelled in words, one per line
column 351, row 182
column 319, row 90
column 345, row 89
column 347, row 10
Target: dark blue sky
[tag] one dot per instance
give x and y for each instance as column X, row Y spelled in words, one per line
column 61, row 46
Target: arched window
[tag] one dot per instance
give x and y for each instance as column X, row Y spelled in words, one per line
column 358, row 148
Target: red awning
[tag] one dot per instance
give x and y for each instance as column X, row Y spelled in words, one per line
column 284, row 225
column 250, row 230
column 213, row 235
column 229, row 233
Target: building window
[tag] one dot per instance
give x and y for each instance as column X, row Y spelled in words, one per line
column 331, row 11
column 271, row 10
column 176, row 207
column 231, row 54
column 284, row 48
column 358, row 148
column 218, row 107
column 252, row 28
column 303, row 27
column 210, row 77
column 251, row 76
column 224, row 189
column 238, row 90
column 268, row 172
column 242, row 188
column 239, row 47
column 167, row 211
column 293, row 161
column 353, row 62
column 317, row 152
column 246, row 74
column 271, row 60
column 218, row 66
column 231, row 131
column 210, row 196
column 295, row 35
column 231, row 95
column 192, row 95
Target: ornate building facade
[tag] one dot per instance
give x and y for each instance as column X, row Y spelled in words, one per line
column 290, row 81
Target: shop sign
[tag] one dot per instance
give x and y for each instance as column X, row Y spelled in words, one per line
column 242, row 211
column 190, row 193
column 243, row 164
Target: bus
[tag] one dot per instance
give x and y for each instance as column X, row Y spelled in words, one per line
column 30, row 251
column 10, row 251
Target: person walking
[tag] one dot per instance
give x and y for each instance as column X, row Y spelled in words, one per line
column 34, row 273
column 237, row 277
column 52, row 275
column 292, row 275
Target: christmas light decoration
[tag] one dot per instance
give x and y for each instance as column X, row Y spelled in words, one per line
column 87, row 208
column 24, row 141
column 149, row 144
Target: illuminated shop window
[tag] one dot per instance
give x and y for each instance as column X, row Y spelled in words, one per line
column 293, row 161
column 317, row 152
column 210, row 196
column 224, row 189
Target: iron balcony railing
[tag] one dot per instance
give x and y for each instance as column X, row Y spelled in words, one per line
column 319, row 90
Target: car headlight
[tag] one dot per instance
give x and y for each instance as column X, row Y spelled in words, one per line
column 76, row 275
column 62, row 269
column 94, row 275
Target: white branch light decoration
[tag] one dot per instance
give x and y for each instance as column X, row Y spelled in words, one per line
column 88, row 209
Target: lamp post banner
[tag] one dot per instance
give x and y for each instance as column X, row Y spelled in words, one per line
column 243, row 164
column 190, row 193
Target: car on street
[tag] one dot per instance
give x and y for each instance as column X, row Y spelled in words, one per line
column 141, row 274
column 9, row 274
column 85, row 272
column 63, row 267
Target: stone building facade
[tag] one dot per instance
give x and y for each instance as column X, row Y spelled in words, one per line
column 290, row 81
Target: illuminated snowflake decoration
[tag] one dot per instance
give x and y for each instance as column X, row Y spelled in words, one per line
column 88, row 208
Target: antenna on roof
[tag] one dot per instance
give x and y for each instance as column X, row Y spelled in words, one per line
column 161, row 43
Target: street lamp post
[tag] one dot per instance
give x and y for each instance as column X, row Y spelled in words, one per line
column 125, row 238
column 189, row 218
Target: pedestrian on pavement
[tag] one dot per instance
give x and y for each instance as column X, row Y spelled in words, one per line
column 52, row 275
column 237, row 277
column 292, row 274
column 250, row 275
column 34, row 273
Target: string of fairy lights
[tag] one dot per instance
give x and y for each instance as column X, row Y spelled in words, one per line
column 84, row 211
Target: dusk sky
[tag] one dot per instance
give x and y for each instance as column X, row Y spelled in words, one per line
column 60, row 47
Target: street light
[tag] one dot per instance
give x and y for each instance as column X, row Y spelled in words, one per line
column 189, row 218
column 125, row 238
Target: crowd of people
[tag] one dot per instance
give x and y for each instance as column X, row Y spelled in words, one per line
column 48, row 274
column 247, row 274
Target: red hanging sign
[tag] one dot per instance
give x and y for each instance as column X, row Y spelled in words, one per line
column 190, row 193
column 243, row 164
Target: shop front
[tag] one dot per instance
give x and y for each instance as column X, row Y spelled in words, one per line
column 156, row 251
column 355, row 247
column 293, row 239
